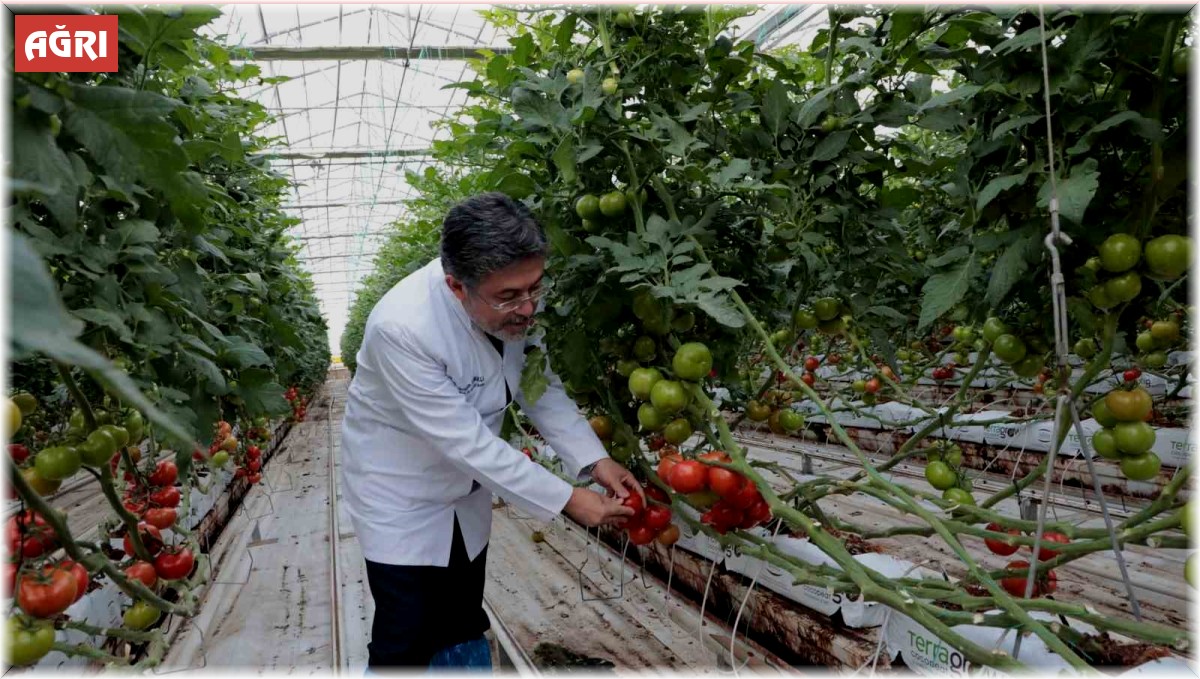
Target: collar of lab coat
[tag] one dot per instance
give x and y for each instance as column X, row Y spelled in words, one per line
column 442, row 291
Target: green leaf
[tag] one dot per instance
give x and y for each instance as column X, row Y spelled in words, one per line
column 903, row 25
column 564, row 159
column 900, row 197
column 887, row 312
column 199, row 345
column 38, row 315
column 943, row 290
column 107, row 319
column 566, row 31
column 776, row 107
column 1024, row 41
column 243, row 353
column 954, row 254
column 736, row 169
column 260, row 392
column 681, row 142
column 1007, row 270
column 37, row 158
column 814, row 107
column 1143, row 126
column 135, row 232
column 210, row 371
column 997, row 186
column 523, row 48
column 129, row 135
column 516, row 185
column 960, row 93
column 588, row 151
column 1075, row 192
column 41, row 325
column 533, row 375
column 831, row 146
column 1013, row 124
column 721, row 309
column 201, row 243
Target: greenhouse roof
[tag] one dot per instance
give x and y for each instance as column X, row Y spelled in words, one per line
column 365, row 84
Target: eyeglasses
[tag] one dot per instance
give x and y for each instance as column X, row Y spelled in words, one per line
column 514, row 304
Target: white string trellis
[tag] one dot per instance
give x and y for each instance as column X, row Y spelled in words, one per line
column 1065, row 405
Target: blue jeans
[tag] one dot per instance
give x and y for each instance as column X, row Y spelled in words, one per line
column 472, row 656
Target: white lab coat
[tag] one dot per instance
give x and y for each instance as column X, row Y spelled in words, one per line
column 423, row 420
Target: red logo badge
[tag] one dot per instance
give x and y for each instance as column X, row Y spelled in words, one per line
column 65, row 43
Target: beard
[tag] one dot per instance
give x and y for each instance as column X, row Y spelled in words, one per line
column 511, row 329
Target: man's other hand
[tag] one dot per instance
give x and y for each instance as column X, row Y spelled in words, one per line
column 618, row 480
column 593, row 509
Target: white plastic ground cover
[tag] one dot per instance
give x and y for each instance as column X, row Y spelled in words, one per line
column 697, row 542
column 104, row 607
column 1171, row 666
column 855, row 613
column 890, row 411
column 927, row 654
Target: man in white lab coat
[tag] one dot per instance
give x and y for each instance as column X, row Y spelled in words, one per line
column 440, row 361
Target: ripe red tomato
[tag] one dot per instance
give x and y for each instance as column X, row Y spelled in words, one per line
column 834, row 359
column 29, row 533
column 18, row 452
column 998, row 546
column 642, row 534
column 657, row 517
column 135, row 507
column 688, row 476
column 255, row 466
column 723, row 516
column 758, row 513
column 1045, row 553
column 724, row 482
column 1132, row 375
column 665, row 464
column 873, row 386
column 161, row 518
column 151, row 539
column 174, row 564
column 809, row 379
column 1046, row 582
column 656, row 493
column 166, row 497
column 254, row 478
column 81, row 577
column 634, row 502
column 165, row 474
column 746, row 497
column 142, row 570
column 253, row 453
column 812, row 363
column 46, row 594
column 716, row 456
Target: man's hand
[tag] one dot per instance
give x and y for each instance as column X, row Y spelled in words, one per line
column 593, row 509
column 617, row 479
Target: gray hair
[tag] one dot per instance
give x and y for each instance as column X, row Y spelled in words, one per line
column 486, row 233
